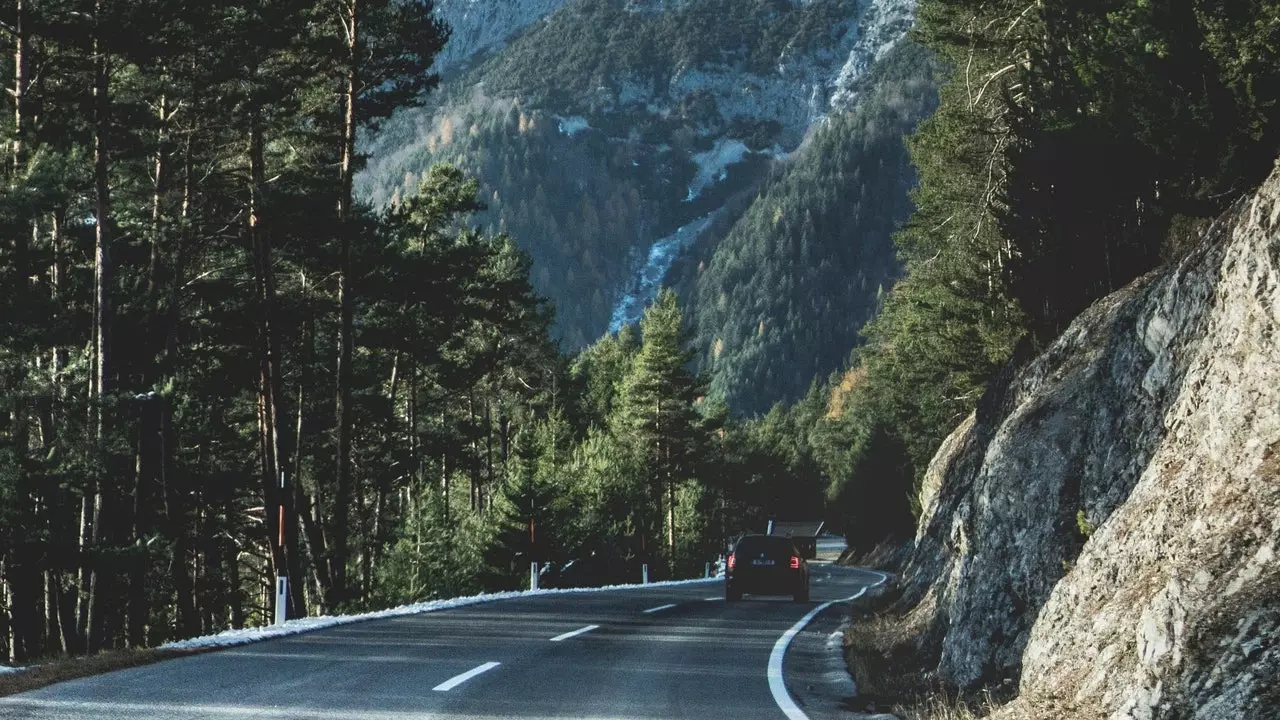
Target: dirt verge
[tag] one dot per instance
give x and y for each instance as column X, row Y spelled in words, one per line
column 70, row 668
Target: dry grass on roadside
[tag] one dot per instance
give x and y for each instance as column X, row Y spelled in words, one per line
column 892, row 654
column 882, row 655
column 939, row 708
column 70, row 668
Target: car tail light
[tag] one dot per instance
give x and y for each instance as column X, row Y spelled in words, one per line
column 795, row 562
column 730, row 561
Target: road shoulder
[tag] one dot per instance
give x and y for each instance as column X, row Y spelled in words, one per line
column 814, row 669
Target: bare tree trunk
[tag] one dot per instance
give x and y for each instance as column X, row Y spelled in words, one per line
column 671, row 519
column 415, row 462
column 58, row 275
column 19, row 90
column 6, row 622
column 342, row 501
column 488, row 445
column 148, row 429
column 444, row 475
column 473, row 469
column 88, row 511
column 104, row 279
column 277, row 495
column 305, row 504
column 52, row 621
column 365, row 541
column 172, row 483
column 65, row 595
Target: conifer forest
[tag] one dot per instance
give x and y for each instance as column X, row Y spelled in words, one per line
column 220, row 363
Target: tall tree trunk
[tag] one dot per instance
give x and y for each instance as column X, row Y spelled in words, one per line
column 276, row 493
column 21, row 565
column 671, row 520
column 64, row 596
column 159, row 187
column 6, row 622
column 19, row 90
column 88, row 512
column 104, row 371
column 342, row 500
column 144, row 477
column 173, row 483
column 307, row 505
column 473, row 460
column 444, row 474
column 488, row 445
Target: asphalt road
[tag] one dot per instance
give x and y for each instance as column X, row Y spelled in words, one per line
column 692, row 656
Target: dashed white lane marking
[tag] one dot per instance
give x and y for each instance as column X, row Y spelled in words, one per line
column 776, row 686
column 574, row 633
column 713, row 597
column 457, row 680
column 660, row 608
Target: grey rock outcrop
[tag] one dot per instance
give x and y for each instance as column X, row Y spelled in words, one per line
column 883, row 23
column 1107, row 526
column 480, row 26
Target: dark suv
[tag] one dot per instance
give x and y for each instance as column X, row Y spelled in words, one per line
column 766, row 565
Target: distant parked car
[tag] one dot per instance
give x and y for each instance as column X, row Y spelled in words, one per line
column 766, row 565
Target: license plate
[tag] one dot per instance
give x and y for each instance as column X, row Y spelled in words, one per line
column 761, row 562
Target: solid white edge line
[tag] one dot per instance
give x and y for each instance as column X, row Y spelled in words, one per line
column 776, row 685
column 457, row 680
column 574, row 633
column 660, row 608
column 297, row 626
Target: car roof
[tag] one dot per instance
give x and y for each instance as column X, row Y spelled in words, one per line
column 764, row 540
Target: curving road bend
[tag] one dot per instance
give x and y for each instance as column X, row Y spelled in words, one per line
column 662, row 652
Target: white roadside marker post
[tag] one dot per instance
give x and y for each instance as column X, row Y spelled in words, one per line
column 533, row 575
column 282, row 580
column 706, row 573
column 644, row 574
column 282, row 599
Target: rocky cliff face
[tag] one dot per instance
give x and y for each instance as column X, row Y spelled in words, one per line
column 1106, row 526
column 480, row 26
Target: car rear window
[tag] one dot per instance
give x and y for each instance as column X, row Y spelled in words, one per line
column 768, row 544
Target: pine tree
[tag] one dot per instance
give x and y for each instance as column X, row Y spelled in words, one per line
column 655, row 413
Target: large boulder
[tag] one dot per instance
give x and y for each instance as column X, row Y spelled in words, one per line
column 1106, row 526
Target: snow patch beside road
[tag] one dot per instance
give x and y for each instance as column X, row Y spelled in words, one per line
column 244, row 636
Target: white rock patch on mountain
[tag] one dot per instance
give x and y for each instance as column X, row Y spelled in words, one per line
column 485, row 25
column 882, row 24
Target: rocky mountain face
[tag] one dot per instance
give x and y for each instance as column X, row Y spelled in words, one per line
column 483, row 26
column 613, row 138
column 1106, row 526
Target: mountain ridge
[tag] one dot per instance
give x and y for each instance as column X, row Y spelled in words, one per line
column 600, row 128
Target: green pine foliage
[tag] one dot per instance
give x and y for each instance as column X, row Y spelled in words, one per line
column 781, row 299
column 1075, row 147
column 170, row 312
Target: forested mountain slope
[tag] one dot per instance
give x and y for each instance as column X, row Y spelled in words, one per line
column 612, row 137
column 781, row 300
